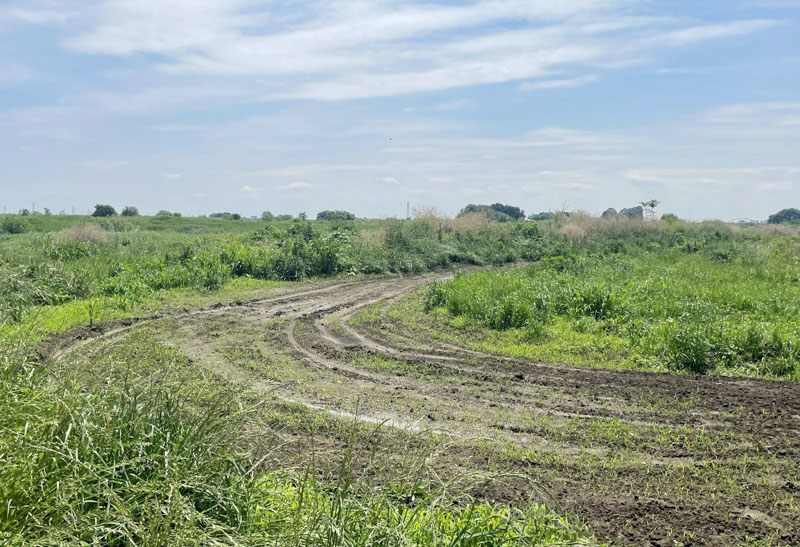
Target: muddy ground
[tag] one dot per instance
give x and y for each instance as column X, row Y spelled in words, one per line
column 642, row 458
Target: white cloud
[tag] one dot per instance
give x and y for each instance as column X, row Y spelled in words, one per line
column 390, row 180
column 355, row 49
column 552, row 84
column 295, row 186
column 171, row 176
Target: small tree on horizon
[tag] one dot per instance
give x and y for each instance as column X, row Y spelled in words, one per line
column 129, row 211
column 650, row 208
column 104, row 211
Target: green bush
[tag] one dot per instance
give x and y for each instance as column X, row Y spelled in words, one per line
column 13, row 224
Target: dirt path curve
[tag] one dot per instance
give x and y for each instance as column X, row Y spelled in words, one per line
column 644, row 458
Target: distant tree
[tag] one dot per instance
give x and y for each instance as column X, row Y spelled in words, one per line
column 236, row 216
column 47, row 211
column 335, row 215
column 216, row 215
column 13, row 224
column 24, row 212
column 609, row 213
column 650, row 207
column 785, row 216
column 497, row 212
column 544, row 215
column 104, row 211
column 163, row 213
column 284, row 217
column 267, row 216
column 302, row 216
column 514, row 212
column 130, row 211
column 633, row 212
column 177, row 214
column 669, row 218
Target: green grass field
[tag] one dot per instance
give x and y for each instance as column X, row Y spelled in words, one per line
column 139, row 445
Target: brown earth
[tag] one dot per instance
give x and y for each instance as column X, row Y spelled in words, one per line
column 642, row 458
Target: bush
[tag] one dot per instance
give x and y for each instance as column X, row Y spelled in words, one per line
column 104, row 211
column 13, row 224
column 130, row 211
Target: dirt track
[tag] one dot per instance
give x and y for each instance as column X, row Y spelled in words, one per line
column 643, row 458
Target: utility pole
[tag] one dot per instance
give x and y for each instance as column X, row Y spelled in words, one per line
column 408, row 210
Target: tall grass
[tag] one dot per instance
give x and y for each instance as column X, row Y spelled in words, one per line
column 85, row 261
column 729, row 303
column 138, row 451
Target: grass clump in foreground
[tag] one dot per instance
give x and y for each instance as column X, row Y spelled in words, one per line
column 143, row 452
column 654, row 309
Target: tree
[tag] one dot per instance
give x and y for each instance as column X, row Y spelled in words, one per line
column 177, row 214
column 284, row 217
column 514, row 212
column 544, row 215
column 267, row 216
column 650, row 207
column 785, row 216
column 163, row 213
column 236, row 216
column 609, row 213
column 130, row 211
column 47, row 212
column 335, row 215
column 633, row 212
column 302, row 216
column 24, row 212
column 497, row 212
column 104, row 211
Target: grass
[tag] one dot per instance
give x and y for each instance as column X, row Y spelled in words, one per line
column 128, row 261
column 654, row 310
column 135, row 443
column 137, row 448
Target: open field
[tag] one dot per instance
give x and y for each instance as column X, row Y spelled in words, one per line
column 414, row 422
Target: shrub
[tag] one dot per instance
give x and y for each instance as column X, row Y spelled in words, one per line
column 130, row 211
column 13, row 224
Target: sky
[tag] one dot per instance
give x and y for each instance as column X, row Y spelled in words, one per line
column 201, row 106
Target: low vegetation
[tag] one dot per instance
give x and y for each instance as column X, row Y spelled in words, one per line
column 681, row 297
column 134, row 442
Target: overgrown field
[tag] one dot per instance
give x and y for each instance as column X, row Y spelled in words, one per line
column 736, row 311
column 204, row 384
column 121, row 268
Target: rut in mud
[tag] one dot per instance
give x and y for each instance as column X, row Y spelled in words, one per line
column 641, row 457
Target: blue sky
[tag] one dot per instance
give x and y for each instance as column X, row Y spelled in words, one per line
column 239, row 105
